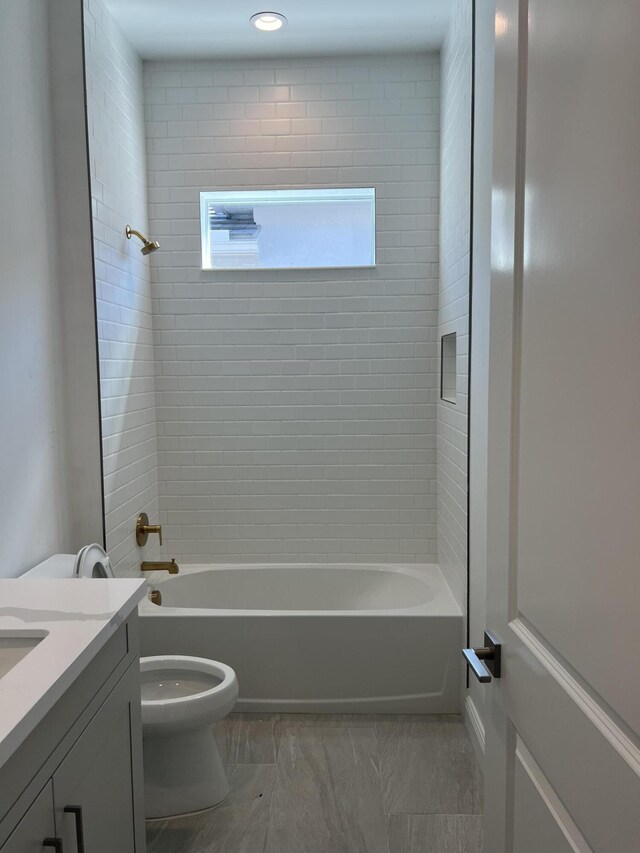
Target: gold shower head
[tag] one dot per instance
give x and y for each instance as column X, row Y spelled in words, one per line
column 148, row 246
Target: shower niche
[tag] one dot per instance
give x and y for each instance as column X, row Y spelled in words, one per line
column 448, row 367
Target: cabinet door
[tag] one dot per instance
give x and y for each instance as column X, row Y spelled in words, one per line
column 93, row 787
column 35, row 828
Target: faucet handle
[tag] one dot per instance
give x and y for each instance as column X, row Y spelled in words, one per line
column 143, row 529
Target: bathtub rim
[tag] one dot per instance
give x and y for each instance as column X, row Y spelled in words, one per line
column 443, row 605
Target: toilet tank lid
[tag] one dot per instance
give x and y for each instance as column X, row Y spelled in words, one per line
column 57, row 566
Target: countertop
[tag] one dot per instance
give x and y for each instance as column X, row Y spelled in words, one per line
column 75, row 618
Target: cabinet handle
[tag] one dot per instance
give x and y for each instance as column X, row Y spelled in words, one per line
column 56, row 843
column 76, row 811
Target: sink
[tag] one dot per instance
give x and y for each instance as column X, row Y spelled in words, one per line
column 14, row 646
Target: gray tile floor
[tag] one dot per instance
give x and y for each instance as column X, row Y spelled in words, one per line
column 339, row 783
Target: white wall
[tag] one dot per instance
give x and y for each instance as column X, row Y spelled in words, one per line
column 455, row 170
column 118, row 186
column 296, row 411
column 51, row 498
column 33, row 505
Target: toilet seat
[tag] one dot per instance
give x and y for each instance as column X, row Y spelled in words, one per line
column 186, row 711
column 92, row 561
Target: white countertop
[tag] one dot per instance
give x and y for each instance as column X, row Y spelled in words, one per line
column 76, row 618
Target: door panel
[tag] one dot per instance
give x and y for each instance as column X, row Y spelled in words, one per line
column 540, row 821
column 578, row 468
column 589, row 761
column 563, row 594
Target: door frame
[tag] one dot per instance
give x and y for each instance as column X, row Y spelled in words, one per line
column 479, row 310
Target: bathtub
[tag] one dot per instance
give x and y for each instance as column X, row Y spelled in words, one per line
column 317, row 638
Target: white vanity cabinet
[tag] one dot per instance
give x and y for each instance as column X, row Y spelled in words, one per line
column 92, row 788
column 75, row 785
column 37, row 827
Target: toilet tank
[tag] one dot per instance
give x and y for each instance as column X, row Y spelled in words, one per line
column 57, row 566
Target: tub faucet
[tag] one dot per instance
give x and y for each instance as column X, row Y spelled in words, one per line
column 162, row 566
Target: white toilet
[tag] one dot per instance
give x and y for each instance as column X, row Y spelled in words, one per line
column 182, row 697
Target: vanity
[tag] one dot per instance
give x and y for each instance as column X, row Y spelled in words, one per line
column 70, row 732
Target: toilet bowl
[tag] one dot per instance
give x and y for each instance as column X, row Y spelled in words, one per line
column 181, row 699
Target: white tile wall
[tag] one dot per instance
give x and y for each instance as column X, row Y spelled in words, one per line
column 297, row 411
column 118, row 176
column 454, row 294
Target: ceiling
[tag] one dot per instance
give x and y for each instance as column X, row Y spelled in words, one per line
column 199, row 29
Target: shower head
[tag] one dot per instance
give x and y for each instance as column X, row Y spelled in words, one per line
column 148, row 246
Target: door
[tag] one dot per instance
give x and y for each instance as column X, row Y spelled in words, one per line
column 93, row 789
column 563, row 585
column 36, row 831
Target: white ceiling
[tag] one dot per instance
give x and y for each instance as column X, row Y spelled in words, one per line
column 164, row 29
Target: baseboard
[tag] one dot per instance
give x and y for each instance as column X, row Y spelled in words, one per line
column 436, row 703
column 475, row 727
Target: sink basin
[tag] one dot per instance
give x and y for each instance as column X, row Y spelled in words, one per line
column 14, row 647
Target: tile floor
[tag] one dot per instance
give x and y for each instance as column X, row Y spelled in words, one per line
column 339, row 783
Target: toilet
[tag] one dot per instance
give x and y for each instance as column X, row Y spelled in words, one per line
column 182, row 697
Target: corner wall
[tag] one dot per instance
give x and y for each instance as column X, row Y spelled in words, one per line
column 127, row 367
column 453, row 315
column 296, row 411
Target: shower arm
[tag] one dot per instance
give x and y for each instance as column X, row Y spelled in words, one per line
column 129, row 231
column 148, row 246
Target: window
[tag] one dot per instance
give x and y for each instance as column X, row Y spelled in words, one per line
column 287, row 229
column 448, row 367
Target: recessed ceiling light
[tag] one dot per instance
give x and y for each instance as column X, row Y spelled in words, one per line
column 268, row 22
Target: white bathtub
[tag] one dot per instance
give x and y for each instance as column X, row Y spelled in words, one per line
column 334, row 638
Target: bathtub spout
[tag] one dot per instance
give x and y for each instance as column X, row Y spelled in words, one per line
column 150, row 566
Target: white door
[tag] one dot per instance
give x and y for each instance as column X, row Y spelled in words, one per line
column 563, row 721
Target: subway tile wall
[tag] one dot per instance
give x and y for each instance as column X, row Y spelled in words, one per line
column 125, row 342
column 455, row 213
column 297, row 411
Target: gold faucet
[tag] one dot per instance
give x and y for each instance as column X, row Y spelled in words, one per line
column 149, row 566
